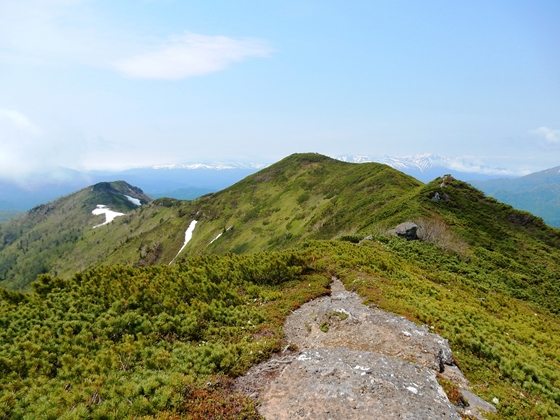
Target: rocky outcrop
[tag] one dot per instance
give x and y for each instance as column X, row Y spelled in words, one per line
column 405, row 230
column 357, row 362
column 339, row 383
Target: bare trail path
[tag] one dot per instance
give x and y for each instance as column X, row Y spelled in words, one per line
column 357, row 362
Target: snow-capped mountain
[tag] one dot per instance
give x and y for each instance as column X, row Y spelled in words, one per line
column 218, row 166
column 421, row 162
column 426, row 167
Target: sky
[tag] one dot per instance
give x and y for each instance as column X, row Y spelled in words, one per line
column 104, row 84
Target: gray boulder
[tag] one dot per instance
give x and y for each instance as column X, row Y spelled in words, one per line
column 405, row 230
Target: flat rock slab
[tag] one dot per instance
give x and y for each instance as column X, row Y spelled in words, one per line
column 319, row 323
column 357, row 362
column 339, row 383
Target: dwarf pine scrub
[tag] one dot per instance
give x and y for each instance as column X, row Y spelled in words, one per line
column 117, row 342
column 121, row 341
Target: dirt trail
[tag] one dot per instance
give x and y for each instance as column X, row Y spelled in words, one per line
column 356, row 362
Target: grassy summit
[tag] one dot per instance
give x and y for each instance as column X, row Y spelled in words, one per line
column 305, row 196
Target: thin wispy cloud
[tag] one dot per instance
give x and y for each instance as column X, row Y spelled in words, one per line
column 19, row 120
column 190, row 55
column 18, row 139
column 473, row 164
column 65, row 32
column 549, row 136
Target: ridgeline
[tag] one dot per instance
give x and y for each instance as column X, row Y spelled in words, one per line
column 110, row 330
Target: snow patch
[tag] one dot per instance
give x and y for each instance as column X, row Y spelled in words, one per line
column 133, row 200
column 219, row 234
column 188, row 237
column 109, row 214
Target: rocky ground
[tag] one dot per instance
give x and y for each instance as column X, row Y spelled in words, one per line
column 357, row 362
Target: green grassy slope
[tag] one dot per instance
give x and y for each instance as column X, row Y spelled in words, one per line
column 305, row 196
column 509, row 348
column 35, row 242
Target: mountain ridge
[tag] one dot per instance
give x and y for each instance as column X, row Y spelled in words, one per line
column 302, row 197
column 191, row 179
column 112, row 329
column 31, row 243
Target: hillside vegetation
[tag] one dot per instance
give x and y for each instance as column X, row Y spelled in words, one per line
column 6, row 215
column 36, row 241
column 147, row 339
column 305, row 196
column 309, row 196
column 117, row 342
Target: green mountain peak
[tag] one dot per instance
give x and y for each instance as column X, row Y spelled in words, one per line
column 38, row 240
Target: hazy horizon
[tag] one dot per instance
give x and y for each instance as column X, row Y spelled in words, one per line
column 90, row 84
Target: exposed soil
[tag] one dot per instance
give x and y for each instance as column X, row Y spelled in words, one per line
column 357, row 362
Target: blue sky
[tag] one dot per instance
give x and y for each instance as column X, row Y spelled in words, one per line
column 112, row 84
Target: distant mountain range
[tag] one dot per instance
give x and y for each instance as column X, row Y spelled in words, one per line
column 182, row 181
column 426, row 167
column 538, row 193
column 187, row 181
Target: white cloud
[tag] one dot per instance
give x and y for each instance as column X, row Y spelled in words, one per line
column 21, row 121
column 27, row 149
column 65, row 32
column 190, row 55
column 473, row 164
column 18, row 136
column 50, row 32
column 551, row 137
